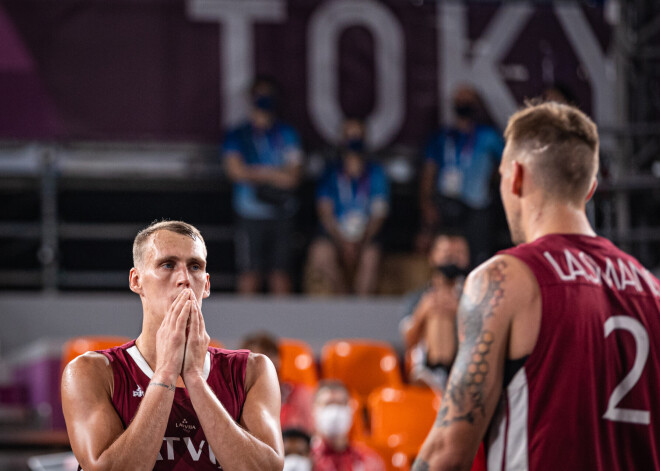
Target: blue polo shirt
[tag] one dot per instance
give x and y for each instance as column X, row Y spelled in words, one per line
column 465, row 163
column 355, row 200
column 275, row 147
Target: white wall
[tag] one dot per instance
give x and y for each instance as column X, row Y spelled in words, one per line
column 27, row 317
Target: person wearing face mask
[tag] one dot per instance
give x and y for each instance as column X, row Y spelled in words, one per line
column 460, row 161
column 297, row 445
column 263, row 157
column 332, row 449
column 429, row 323
column 352, row 203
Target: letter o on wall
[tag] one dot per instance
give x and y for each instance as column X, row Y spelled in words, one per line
column 325, row 29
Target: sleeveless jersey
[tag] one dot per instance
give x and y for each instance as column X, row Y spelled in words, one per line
column 588, row 396
column 184, row 445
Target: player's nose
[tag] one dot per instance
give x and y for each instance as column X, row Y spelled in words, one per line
column 183, row 278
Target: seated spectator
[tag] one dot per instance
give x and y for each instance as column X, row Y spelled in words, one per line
column 296, row 398
column 332, row 449
column 460, row 164
column 352, row 204
column 263, row 157
column 296, row 450
column 429, row 324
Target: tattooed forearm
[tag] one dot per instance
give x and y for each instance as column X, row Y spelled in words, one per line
column 420, row 465
column 465, row 391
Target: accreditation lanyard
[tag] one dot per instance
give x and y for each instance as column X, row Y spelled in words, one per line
column 350, row 199
column 452, row 157
column 267, row 152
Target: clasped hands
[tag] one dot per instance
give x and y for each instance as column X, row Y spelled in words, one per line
column 182, row 340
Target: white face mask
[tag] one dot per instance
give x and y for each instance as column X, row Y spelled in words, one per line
column 333, row 420
column 297, row 463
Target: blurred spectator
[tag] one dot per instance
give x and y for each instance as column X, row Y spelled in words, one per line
column 352, row 204
column 296, row 398
column 296, row 450
column 332, row 449
column 429, row 324
column 460, row 162
column 263, row 158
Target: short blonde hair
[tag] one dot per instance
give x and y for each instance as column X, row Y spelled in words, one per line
column 561, row 143
column 178, row 227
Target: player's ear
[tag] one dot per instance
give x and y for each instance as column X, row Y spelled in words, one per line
column 207, row 287
column 594, row 185
column 517, row 172
column 134, row 281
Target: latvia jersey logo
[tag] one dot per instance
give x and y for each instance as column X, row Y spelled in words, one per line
column 138, row 392
column 186, row 426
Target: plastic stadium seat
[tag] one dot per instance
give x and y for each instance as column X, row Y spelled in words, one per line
column 358, row 430
column 362, row 365
column 394, row 459
column 78, row 345
column 297, row 362
column 402, row 417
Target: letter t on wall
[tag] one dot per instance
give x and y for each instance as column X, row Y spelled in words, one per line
column 236, row 18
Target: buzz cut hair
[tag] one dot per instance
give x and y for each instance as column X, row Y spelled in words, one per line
column 178, row 227
column 560, row 144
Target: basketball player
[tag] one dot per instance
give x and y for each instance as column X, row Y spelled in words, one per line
column 559, row 355
column 167, row 400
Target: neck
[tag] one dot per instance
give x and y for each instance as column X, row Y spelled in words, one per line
column 338, row 443
column 146, row 341
column 464, row 125
column 557, row 218
column 261, row 120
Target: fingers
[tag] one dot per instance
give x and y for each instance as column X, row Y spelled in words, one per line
column 184, row 315
column 176, row 308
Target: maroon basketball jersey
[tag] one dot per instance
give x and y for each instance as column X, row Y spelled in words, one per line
column 184, row 445
column 588, row 396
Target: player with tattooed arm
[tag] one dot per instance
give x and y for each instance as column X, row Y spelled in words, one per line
column 168, row 401
column 558, row 365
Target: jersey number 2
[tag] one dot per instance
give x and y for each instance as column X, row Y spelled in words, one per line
column 619, row 414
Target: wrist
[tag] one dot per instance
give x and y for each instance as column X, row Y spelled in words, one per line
column 168, row 386
column 165, row 376
column 192, row 378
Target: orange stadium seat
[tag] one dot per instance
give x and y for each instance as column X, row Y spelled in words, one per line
column 78, row 345
column 297, row 363
column 362, row 365
column 402, row 417
column 394, row 459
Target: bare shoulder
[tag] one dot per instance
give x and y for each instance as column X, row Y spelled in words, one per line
column 91, row 369
column 503, row 292
column 259, row 367
column 500, row 282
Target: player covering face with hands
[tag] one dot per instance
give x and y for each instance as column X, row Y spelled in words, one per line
column 167, row 400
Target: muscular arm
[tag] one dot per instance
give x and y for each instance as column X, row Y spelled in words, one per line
column 255, row 443
column 498, row 294
column 96, row 432
column 97, row 435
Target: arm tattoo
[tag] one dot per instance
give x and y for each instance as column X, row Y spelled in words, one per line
column 170, row 387
column 465, row 391
column 420, row 465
